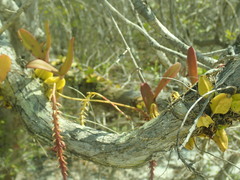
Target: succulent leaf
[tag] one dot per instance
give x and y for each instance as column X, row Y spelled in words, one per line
column 221, row 103
column 204, row 121
column 192, row 65
column 221, row 139
column 40, row 64
column 170, row 73
column 5, row 65
column 204, row 85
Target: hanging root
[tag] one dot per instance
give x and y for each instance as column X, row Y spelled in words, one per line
column 59, row 145
column 152, row 165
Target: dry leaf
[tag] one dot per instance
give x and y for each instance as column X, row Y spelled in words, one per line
column 190, row 144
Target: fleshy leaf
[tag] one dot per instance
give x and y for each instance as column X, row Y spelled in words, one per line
column 5, row 65
column 204, row 85
column 170, row 73
column 31, row 44
column 235, row 106
column 221, row 139
column 43, row 74
column 40, row 64
column 190, row 144
column 68, row 62
column 48, row 42
column 60, row 82
column 147, row 95
column 192, row 65
column 204, row 121
column 221, row 103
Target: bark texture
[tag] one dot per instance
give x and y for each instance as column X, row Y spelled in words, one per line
column 125, row 150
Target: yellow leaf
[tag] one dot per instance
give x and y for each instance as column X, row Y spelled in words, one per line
column 221, row 103
column 60, row 82
column 52, row 80
column 5, row 65
column 203, row 136
column 205, row 121
column 235, row 107
column 236, row 97
column 153, row 111
column 204, row 85
column 190, row 144
column 221, row 139
column 43, row 74
column 174, row 95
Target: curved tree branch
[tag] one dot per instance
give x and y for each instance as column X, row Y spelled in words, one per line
column 125, row 150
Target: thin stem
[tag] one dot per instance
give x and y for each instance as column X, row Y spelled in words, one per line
column 13, row 18
column 129, row 50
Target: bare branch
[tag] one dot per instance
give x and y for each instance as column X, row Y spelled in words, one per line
column 13, row 18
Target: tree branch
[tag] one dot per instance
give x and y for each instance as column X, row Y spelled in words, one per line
column 124, row 150
column 145, row 11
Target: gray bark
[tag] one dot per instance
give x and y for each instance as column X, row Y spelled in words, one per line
column 125, row 150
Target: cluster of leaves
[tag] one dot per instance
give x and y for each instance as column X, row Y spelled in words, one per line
column 149, row 99
column 220, row 103
column 51, row 76
column 44, row 69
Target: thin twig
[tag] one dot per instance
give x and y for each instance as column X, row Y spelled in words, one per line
column 220, row 51
column 153, row 42
column 13, row 18
column 129, row 50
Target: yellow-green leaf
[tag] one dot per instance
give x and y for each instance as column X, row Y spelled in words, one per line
column 5, row 65
column 31, row 44
column 204, row 85
column 205, row 121
column 221, row 103
column 235, row 106
column 68, row 62
column 221, row 139
column 236, row 97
